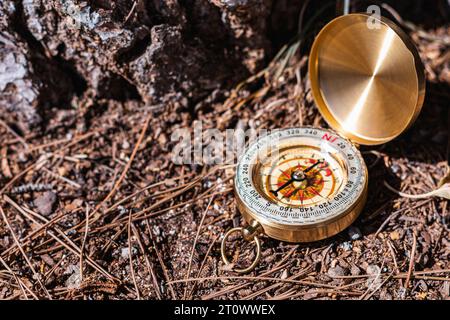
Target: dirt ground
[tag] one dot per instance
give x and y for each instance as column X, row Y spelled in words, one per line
column 92, row 205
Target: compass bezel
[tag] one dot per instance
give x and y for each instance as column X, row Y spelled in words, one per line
column 307, row 231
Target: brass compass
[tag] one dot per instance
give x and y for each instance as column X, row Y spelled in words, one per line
column 306, row 184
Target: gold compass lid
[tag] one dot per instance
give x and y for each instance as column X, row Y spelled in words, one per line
column 367, row 78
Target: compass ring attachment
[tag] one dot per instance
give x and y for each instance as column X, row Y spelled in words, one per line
column 249, row 233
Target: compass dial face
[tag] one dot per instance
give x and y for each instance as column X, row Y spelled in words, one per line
column 316, row 186
column 300, row 176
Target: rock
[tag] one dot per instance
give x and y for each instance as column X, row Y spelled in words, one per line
column 125, row 252
column 354, row 233
column 34, row 77
column 166, row 53
column 74, row 281
column 45, row 202
column 355, row 271
column 375, row 278
column 395, row 168
column 337, row 271
column 323, row 277
column 422, row 285
column 373, row 270
column 126, row 145
column 18, row 88
column 285, row 274
column 346, row 246
column 445, row 290
column 247, row 23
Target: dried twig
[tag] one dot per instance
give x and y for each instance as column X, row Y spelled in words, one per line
column 131, row 12
column 86, row 232
column 127, row 167
column 161, row 261
column 14, row 133
column 19, row 282
column 130, row 257
column 35, row 274
column 147, row 261
column 188, row 273
column 411, row 261
column 70, row 245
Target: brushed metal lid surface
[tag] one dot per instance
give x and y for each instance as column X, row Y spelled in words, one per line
column 368, row 84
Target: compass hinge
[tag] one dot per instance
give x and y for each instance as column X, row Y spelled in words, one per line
column 254, row 229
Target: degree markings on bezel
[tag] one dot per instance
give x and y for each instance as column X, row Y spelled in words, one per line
column 344, row 199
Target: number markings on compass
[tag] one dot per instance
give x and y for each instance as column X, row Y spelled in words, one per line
column 340, row 188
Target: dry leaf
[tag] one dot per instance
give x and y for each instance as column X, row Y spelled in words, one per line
column 443, row 192
column 445, row 179
column 394, row 235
